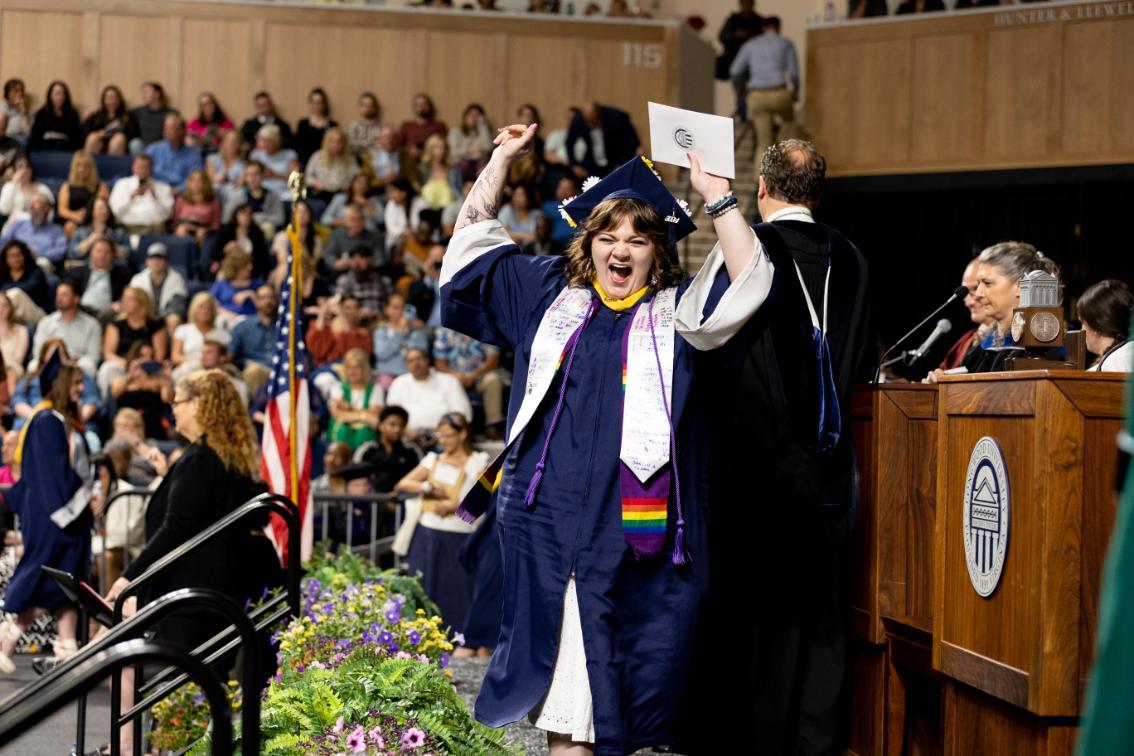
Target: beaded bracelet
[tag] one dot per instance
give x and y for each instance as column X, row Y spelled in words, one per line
column 716, row 205
column 720, row 208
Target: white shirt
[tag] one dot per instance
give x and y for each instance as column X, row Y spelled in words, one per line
column 173, row 286
column 193, row 341
column 14, row 203
column 358, row 396
column 82, row 335
column 426, row 401
column 791, row 213
column 474, row 466
column 153, row 207
column 1121, row 360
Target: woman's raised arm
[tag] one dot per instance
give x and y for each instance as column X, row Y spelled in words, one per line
column 483, row 202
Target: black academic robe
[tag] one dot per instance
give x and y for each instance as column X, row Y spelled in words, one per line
column 780, row 512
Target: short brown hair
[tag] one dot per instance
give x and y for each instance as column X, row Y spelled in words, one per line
column 647, row 221
column 794, row 172
column 1106, row 308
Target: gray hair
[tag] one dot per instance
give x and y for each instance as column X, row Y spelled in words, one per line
column 1016, row 259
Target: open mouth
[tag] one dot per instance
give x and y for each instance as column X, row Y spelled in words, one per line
column 620, row 274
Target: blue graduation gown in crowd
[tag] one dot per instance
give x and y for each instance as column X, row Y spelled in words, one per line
column 47, row 482
column 637, row 616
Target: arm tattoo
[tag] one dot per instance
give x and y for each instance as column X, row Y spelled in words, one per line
column 483, row 201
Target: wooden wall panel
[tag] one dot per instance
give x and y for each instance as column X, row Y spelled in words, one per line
column 210, row 45
column 1098, row 111
column 136, row 49
column 24, row 34
column 946, row 108
column 550, row 71
column 1022, row 85
column 622, row 74
column 465, row 67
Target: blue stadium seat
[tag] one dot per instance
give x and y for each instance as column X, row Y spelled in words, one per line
column 182, row 252
column 113, row 167
column 50, row 165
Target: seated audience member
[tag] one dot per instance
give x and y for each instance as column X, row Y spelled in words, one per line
column 225, row 168
column 235, row 287
column 75, row 196
column 310, row 130
column 189, row 338
column 110, row 129
column 332, row 167
column 163, row 285
column 78, row 331
column 336, row 331
column 101, row 281
column 452, row 212
column 140, row 202
column 555, row 148
column 24, row 283
column 350, row 236
column 362, row 282
column 561, row 230
column 543, row 245
column 312, row 246
column 426, row 394
column 28, row 391
column 919, row 6
column 56, row 125
column 215, row 356
column 962, row 4
column 865, row 8
column 206, row 131
column 9, row 474
column 266, row 115
column 100, row 224
column 1001, row 267
column 357, row 194
column 363, row 131
column 355, row 402
column 15, row 341
column 1104, row 310
column 335, row 459
column 436, row 534
column 424, row 293
column 254, row 340
column 477, row 367
column 439, row 178
column 130, row 429
column 15, row 107
column 388, row 459
column 267, row 207
column 385, row 159
column 402, row 213
column 603, row 123
column 528, row 114
column 125, row 523
column 415, row 246
column 173, row 159
column 10, row 149
column 519, row 216
column 44, row 237
column 150, row 115
column 146, row 388
column 278, row 161
column 136, row 324
column 471, row 143
column 197, row 211
column 241, row 229
column 16, row 194
column 394, row 338
column 424, row 124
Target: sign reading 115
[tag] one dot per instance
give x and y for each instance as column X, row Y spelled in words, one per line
column 639, row 55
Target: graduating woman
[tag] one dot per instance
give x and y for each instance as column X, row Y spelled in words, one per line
column 54, row 501
column 601, row 487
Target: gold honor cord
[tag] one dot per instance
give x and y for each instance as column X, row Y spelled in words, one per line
column 298, row 191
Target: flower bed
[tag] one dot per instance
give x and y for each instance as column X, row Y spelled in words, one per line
column 364, row 669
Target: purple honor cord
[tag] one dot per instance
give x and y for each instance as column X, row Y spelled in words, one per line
column 679, row 555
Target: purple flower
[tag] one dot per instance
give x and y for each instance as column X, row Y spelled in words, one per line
column 385, row 638
column 444, row 660
column 413, row 738
column 414, row 637
column 393, row 615
column 394, row 647
column 375, row 737
column 338, row 728
column 402, row 655
column 343, row 645
column 459, row 638
column 356, row 741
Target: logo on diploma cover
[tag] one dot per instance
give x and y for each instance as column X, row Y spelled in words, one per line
column 986, row 515
column 684, row 138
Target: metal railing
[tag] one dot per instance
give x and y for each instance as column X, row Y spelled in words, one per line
column 143, row 493
column 378, row 546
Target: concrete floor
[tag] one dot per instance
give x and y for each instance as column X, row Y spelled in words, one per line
column 56, row 733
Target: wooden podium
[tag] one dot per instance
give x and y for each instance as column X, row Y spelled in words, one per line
column 936, row 667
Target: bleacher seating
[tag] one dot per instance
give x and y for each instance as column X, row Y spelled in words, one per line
column 182, row 253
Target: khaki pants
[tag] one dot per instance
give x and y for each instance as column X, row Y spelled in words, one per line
column 491, row 390
column 763, row 107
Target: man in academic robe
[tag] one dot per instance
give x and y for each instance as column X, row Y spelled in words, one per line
column 782, row 482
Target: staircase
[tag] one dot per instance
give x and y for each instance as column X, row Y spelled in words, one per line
column 696, row 247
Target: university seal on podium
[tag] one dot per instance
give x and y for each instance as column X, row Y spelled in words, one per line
column 986, row 515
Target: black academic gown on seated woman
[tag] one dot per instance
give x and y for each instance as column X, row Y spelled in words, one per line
column 637, row 616
column 198, row 491
column 781, row 511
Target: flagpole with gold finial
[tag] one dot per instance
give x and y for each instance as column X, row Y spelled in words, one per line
column 298, row 191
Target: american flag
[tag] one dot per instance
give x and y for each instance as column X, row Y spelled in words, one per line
column 285, row 459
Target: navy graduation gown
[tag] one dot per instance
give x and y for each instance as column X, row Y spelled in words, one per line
column 637, row 616
column 47, row 482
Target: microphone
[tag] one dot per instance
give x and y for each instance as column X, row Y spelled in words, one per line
column 958, row 293
column 943, row 327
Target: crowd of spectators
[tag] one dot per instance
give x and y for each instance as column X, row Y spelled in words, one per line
column 150, row 246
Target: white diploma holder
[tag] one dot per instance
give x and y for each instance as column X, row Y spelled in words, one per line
column 674, row 132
